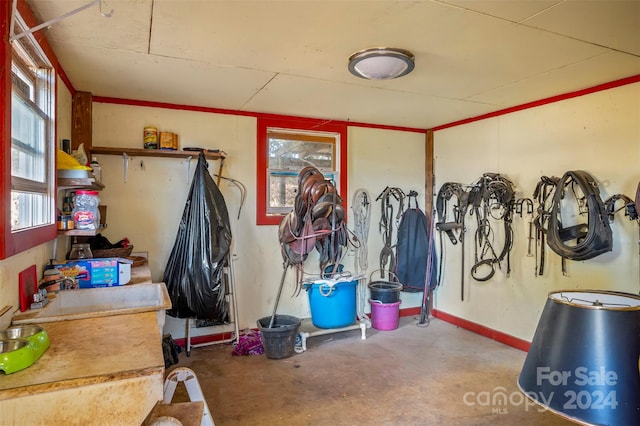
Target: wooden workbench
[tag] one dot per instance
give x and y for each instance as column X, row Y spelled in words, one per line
column 106, row 370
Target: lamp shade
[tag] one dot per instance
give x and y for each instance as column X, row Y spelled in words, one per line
column 584, row 360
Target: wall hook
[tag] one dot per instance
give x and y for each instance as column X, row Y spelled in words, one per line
column 125, row 165
column 188, row 168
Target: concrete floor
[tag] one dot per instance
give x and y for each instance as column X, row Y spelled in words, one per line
column 438, row 375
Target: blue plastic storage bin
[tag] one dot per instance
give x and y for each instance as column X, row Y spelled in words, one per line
column 332, row 302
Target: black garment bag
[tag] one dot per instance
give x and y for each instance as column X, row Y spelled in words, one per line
column 194, row 274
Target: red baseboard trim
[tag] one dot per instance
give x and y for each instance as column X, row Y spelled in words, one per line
column 209, row 338
column 496, row 335
column 408, row 312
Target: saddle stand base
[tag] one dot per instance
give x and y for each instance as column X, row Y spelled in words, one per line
column 307, row 329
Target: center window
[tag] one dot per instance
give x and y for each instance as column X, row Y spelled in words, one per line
column 290, row 152
column 285, row 146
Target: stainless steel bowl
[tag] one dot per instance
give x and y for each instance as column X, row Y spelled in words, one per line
column 21, row 331
column 12, row 345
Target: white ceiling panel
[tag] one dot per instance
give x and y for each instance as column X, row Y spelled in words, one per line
column 126, row 29
column 341, row 101
column 113, row 73
column 290, row 57
column 512, row 10
column 611, row 23
column 468, row 53
column 608, row 67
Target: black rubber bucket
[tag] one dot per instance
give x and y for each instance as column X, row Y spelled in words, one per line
column 384, row 291
column 279, row 341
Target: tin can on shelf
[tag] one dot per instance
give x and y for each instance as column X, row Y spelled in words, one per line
column 150, row 137
column 175, row 141
column 166, row 140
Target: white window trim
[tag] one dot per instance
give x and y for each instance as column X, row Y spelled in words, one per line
column 44, row 94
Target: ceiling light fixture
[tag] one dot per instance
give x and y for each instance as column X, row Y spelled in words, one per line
column 381, row 63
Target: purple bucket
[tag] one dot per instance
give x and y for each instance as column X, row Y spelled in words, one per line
column 385, row 316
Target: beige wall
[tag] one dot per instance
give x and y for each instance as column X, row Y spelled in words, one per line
column 599, row 133
column 148, row 207
column 40, row 255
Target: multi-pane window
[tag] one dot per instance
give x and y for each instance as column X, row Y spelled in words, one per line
column 285, row 145
column 289, row 151
column 32, row 138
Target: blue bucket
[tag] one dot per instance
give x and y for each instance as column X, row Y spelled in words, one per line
column 332, row 302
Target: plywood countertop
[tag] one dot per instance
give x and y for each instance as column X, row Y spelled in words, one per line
column 141, row 274
column 90, row 351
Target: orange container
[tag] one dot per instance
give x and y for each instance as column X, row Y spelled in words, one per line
column 166, row 140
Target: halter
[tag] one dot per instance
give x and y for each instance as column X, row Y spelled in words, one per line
column 387, row 256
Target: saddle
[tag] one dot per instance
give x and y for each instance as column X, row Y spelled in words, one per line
column 316, row 221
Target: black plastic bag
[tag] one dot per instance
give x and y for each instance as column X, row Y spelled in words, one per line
column 194, row 275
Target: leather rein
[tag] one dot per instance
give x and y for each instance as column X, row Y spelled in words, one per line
column 491, row 199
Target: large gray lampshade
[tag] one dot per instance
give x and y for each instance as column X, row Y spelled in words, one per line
column 584, row 360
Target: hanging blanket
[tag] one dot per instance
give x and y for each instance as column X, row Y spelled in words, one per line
column 412, row 251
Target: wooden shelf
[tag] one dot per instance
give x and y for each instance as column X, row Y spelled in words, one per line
column 85, row 183
column 140, row 152
column 79, row 233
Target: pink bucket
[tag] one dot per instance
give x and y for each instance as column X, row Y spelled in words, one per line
column 385, row 316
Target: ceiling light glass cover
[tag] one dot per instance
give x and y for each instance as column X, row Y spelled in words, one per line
column 381, row 63
column 584, row 359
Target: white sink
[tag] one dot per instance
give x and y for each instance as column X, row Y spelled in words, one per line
column 99, row 302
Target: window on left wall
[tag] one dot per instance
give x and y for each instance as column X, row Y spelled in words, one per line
column 31, row 156
column 32, row 149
